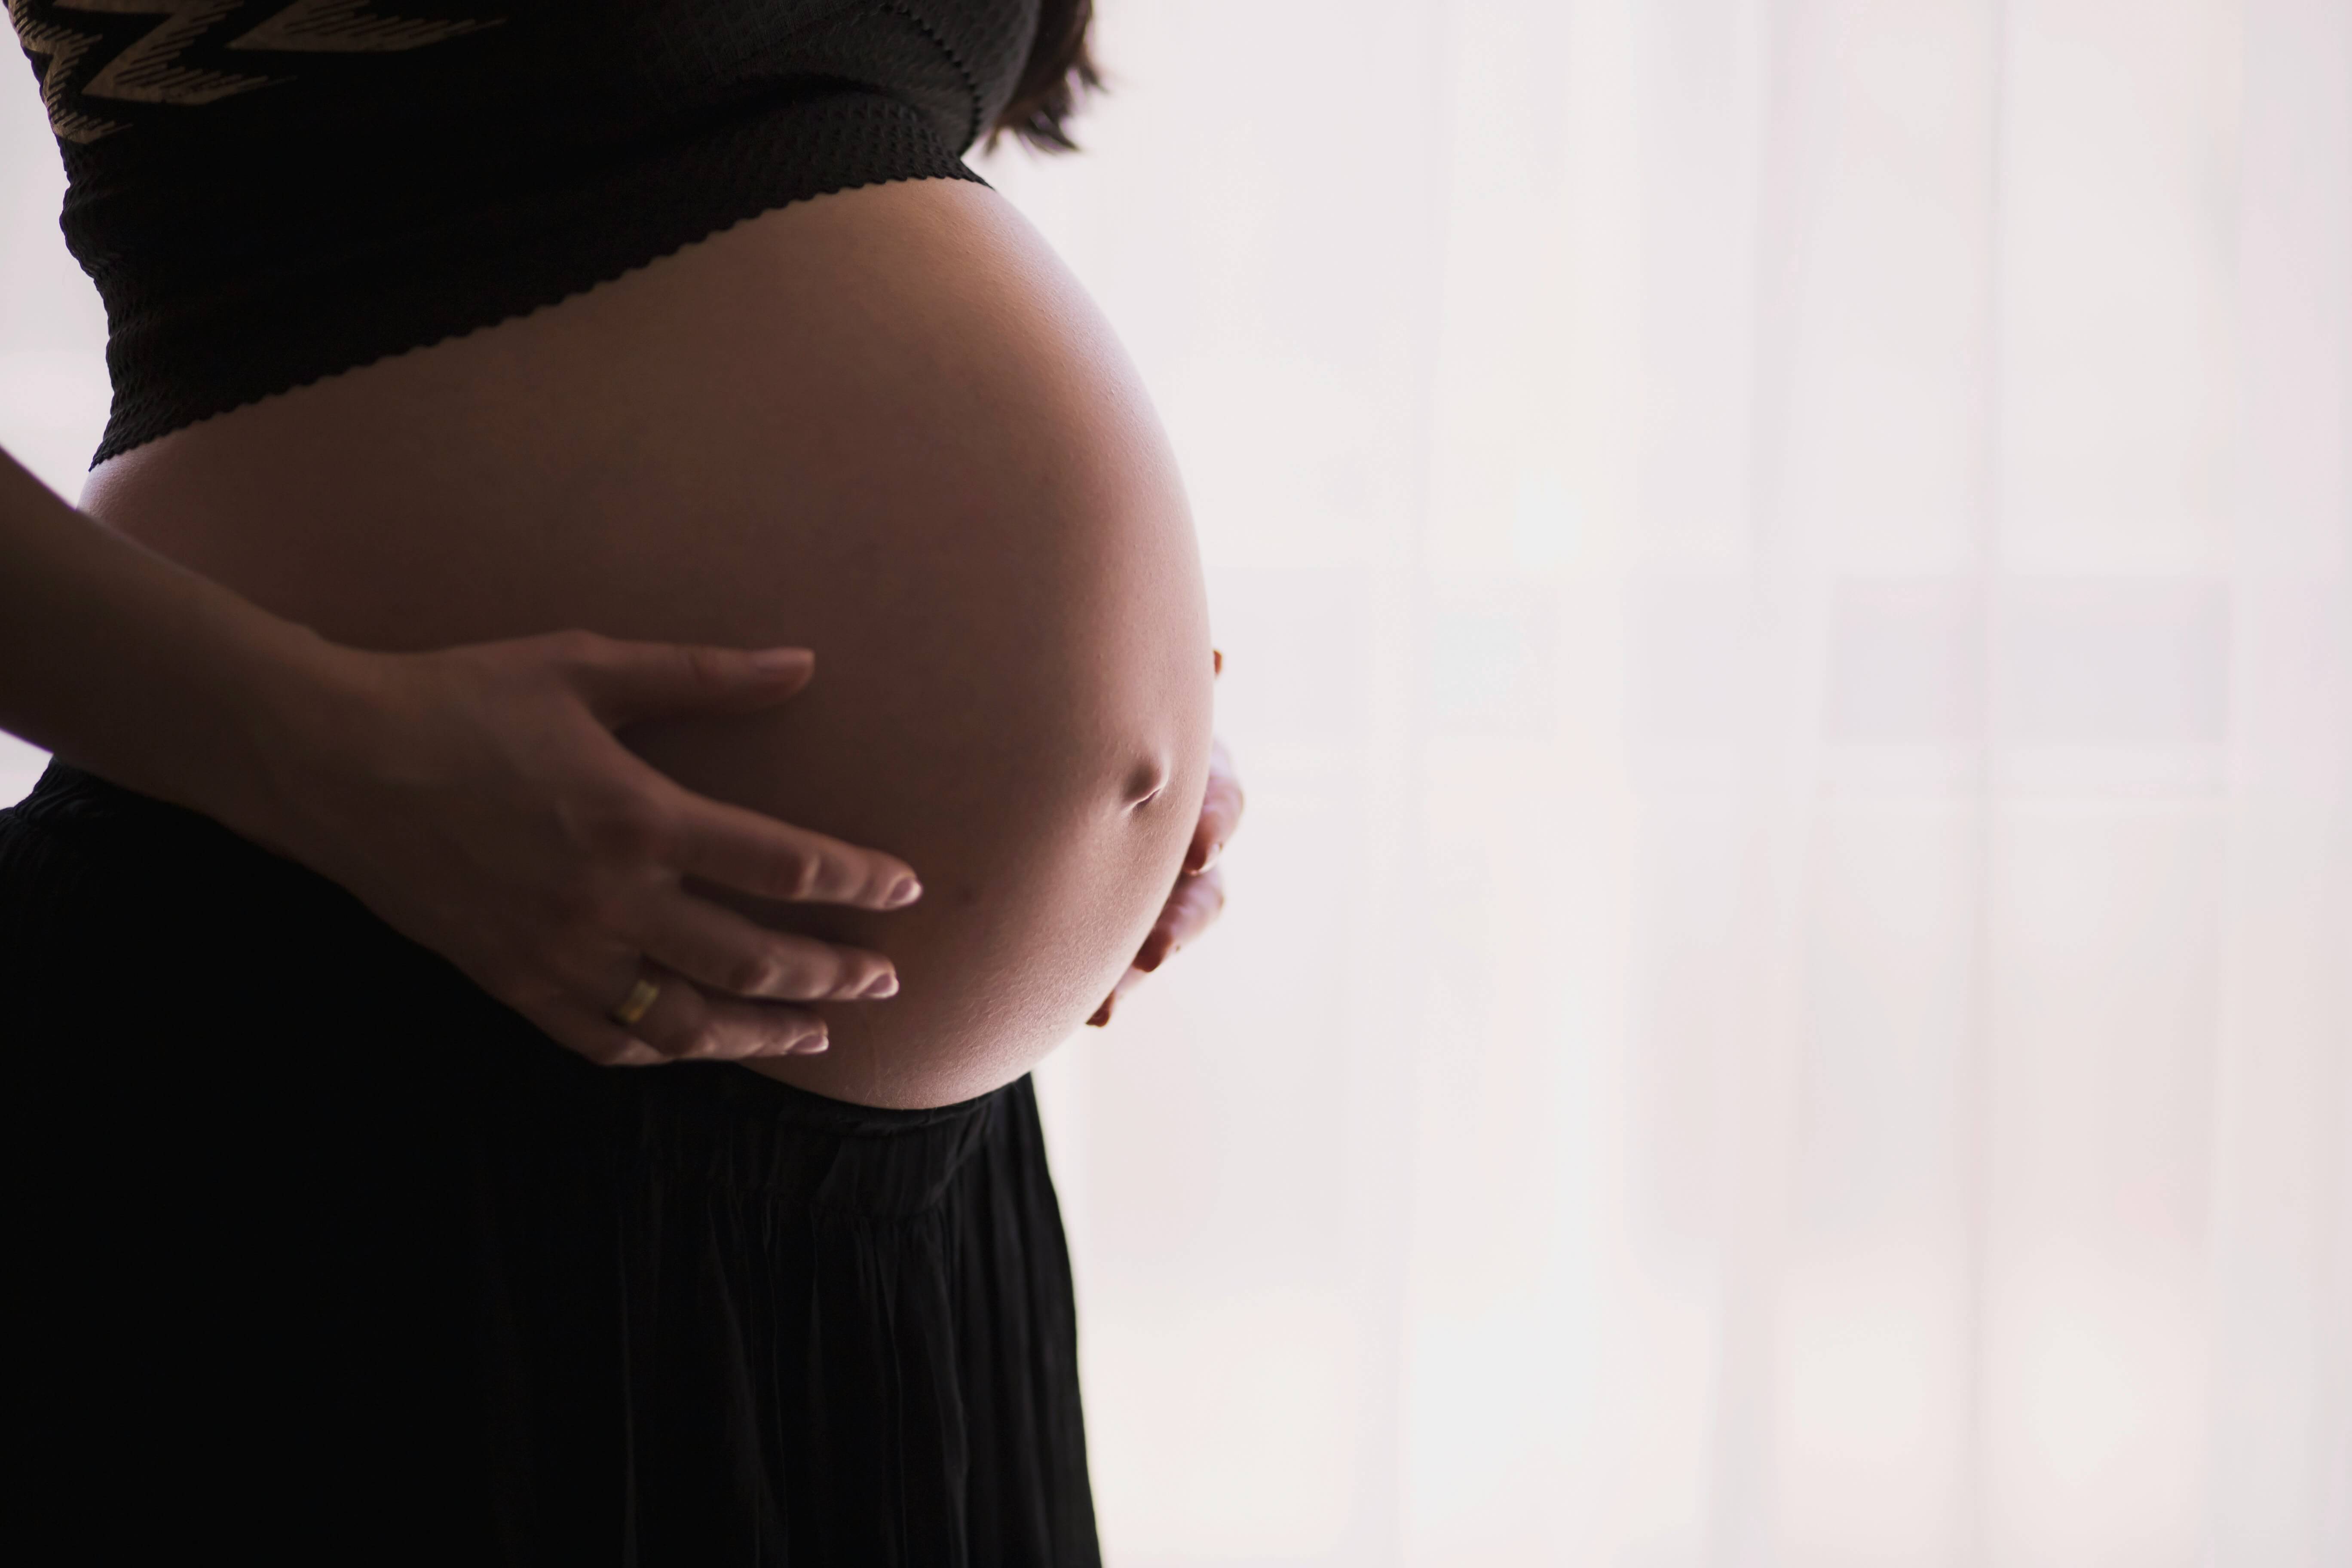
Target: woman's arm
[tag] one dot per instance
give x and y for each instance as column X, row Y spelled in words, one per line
column 475, row 798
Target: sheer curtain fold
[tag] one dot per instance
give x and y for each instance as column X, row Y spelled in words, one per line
column 1786, row 574
column 1786, row 568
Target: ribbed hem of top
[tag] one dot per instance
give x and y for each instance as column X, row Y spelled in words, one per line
column 491, row 259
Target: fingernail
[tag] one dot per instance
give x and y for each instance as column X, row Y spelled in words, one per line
column 1153, row 955
column 906, row 892
column 811, row 1046
column 1102, row 1015
column 771, row 660
column 1216, row 661
column 881, row 985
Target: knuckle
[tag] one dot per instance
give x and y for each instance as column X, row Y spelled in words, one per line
column 796, row 874
column 755, row 975
column 679, row 1025
column 869, row 880
column 670, row 1040
column 850, row 978
column 576, row 647
column 835, row 881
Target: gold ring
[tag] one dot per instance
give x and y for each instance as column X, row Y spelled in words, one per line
column 633, row 1007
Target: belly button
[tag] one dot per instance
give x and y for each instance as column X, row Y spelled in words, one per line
column 1144, row 783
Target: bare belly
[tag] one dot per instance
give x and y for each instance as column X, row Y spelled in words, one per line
column 884, row 425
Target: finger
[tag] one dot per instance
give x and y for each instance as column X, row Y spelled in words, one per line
column 755, row 854
column 623, row 682
column 1128, row 981
column 1221, row 813
column 569, row 1000
column 722, row 951
column 741, row 1029
column 1190, row 909
column 601, row 1040
column 685, row 1023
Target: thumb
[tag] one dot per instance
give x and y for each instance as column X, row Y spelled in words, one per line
column 623, row 682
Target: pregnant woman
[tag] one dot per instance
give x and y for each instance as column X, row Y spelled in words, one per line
column 440, row 330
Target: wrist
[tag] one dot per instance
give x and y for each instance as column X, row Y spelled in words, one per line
column 293, row 709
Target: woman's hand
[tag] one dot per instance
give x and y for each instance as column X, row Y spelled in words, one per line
column 1200, row 894
column 476, row 799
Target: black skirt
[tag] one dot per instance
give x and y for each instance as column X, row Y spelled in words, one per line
column 315, row 1254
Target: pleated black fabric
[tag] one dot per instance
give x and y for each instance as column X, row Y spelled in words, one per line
column 316, row 1255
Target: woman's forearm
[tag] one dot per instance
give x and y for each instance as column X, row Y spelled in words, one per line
column 476, row 798
column 119, row 660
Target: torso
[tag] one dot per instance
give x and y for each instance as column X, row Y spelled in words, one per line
column 883, row 424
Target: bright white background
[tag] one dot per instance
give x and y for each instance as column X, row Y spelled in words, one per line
column 1786, row 568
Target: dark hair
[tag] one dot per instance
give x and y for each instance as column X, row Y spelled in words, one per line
column 1057, row 78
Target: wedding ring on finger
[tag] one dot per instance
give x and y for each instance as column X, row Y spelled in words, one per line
column 634, row 1007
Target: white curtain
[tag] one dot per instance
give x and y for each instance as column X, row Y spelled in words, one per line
column 1786, row 572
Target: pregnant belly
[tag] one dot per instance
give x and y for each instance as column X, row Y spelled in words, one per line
column 884, row 424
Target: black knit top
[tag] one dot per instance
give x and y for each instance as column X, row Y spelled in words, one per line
column 267, row 192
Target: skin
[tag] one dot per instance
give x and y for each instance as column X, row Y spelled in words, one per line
column 1199, row 896
column 475, row 797
column 884, row 426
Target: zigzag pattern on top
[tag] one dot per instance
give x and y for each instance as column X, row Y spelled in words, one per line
column 154, row 68
column 348, row 27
